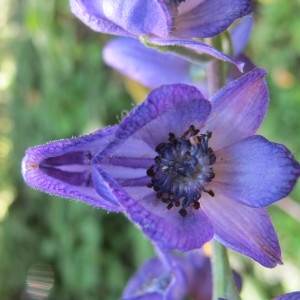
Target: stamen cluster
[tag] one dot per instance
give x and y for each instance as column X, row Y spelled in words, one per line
column 182, row 169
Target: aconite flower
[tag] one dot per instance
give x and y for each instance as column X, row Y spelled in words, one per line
column 153, row 68
column 174, row 277
column 183, row 168
column 164, row 22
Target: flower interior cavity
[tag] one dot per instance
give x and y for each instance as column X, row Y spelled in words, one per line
column 69, row 167
column 177, row 2
column 182, row 169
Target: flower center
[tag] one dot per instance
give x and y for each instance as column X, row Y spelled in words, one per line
column 182, row 169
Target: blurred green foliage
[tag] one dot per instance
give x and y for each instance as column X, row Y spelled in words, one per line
column 61, row 88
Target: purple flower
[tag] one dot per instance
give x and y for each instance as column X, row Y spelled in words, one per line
column 173, row 278
column 184, row 169
column 153, row 68
column 289, row 296
column 164, row 22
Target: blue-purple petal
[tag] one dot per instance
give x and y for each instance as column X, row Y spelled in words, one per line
column 169, row 108
column 90, row 12
column 196, row 46
column 255, row 172
column 174, row 277
column 209, row 17
column 244, row 229
column 154, row 280
column 124, row 17
column 240, row 35
column 139, row 17
column 167, row 228
column 148, row 66
column 289, row 296
column 238, row 109
column 63, row 168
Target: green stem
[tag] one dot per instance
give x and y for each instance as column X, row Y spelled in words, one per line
column 215, row 72
column 223, row 283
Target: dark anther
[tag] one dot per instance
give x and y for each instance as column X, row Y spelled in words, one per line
column 209, row 134
column 212, row 175
column 192, row 128
column 192, row 131
column 196, row 204
column 182, row 212
column 199, row 139
column 156, row 188
column 150, row 185
column 157, row 160
column 210, row 192
column 150, row 172
column 160, row 147
column 165, row 200
column 169, row 206
column 172, row 137
column 159, row 195
column 212, row 156
column 177, row 203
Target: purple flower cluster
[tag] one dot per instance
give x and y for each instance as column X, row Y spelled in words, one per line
column 152, row 68
column 174, row 277
column 184, row 167
column 164, row 23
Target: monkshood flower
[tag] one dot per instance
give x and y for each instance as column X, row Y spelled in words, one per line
column 164, row 22
column 152, row 68
column 174, row 278
column 289, row 296
column 184, row 169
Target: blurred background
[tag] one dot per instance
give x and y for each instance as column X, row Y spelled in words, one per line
column 53, row 85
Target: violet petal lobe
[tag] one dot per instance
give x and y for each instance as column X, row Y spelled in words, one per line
column 139, row 17
column 255, row 172
column 238, row 109
column 240, row 35
column 209, row 17
column 154, row 280
column 145, row 65
column 166, row 228
column 63, row 168
column 196, row 46
column 169, row 108
column 90, row 12
column 289, row 296
column 243, row 229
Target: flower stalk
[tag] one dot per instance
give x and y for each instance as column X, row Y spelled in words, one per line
column 223, row 283
column 215, row 70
